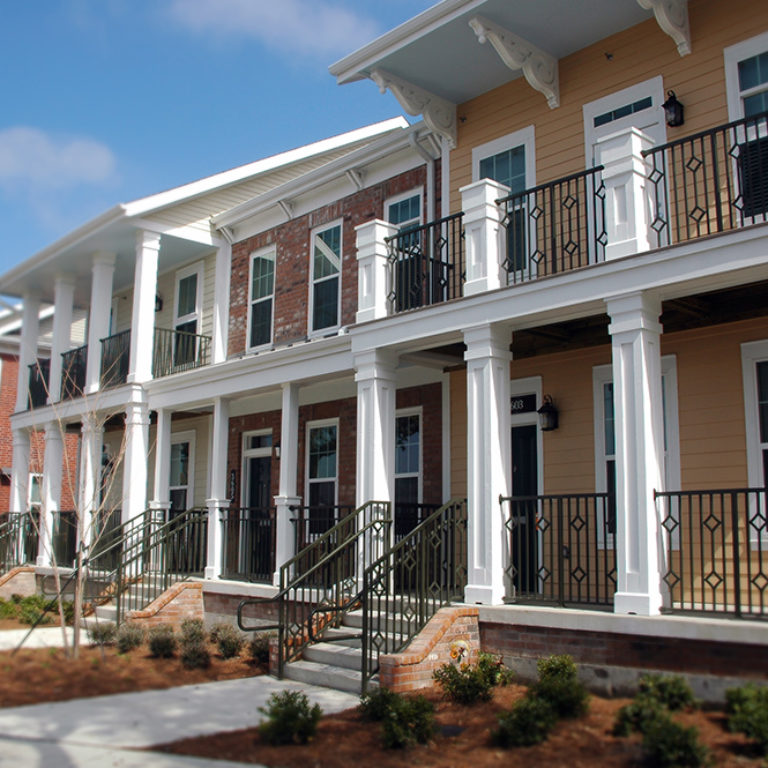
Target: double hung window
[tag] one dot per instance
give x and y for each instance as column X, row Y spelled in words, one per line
column 187, row 310
column 322, row 474
column 262, row 290
column 325, row 278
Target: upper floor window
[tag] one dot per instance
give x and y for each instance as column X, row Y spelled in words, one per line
column 261, row 303
column 325, row 278
column 187, row 313
column 404, row 210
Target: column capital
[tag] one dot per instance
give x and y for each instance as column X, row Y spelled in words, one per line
column 375, row 364
column 634, row 311
column 147, row 240
column 487, row 340
column 64, row 281
column 53, row 431
column 104, row 258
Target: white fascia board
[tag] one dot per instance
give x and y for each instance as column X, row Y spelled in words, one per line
column 204, row 186
column 720, row 261
column 356, row 65
column 367, row 155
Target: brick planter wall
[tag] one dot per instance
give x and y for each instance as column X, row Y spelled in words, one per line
column 18, row 581
column 181, row 601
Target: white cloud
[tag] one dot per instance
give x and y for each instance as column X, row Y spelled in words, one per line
column 35, row 160
column 298, row 27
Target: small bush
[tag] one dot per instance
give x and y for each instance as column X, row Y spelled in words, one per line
column 192, row 631
column 162, row 641
column 667, row 744
column 195, row 655
column 559, row 685
column 31, row 614
column 258, row 647
column 129, row 636
column 103, row 633
column 229, row 642
column 671, row 691
column 376, row 703
column 528, row 722
column 637, row 715
column 747, row 709
column 410, row 720
column 290, row 719
column 494, row 670
column 467, row 683
column 8, row 609
column 217, row 630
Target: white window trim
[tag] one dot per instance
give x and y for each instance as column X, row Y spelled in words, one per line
column 405, row 196
column 601, row 375
column 32, row 477
column 252, row 453
column 415, row 411
column 254, row 255
column 525, row 136
column 526, row 386
column 190, row 437
column 196, row 268
column 752, row 352
column 732, row 55
column 310, row 425
column 311, row 332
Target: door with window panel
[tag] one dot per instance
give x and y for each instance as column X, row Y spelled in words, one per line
column 256, row 532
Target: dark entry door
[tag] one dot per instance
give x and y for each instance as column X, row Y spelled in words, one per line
column 256, row 547
column 525, row 482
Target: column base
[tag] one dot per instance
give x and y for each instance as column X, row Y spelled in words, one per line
column 637, row 603
column 484, row 594
column 209, row 573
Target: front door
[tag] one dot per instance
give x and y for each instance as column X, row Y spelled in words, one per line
column 524, row 536
column 255, row 527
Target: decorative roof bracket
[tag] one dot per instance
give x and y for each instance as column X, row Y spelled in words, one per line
column 287, row 208
column 356, row 178
column 439, row 114
column 539, row 68
column 672, row 17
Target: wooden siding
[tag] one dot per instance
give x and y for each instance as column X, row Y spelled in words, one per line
column 639, row 53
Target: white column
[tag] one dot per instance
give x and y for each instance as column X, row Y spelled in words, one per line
column 143, row 318
column 30, row 331
column 484, row 237
column 51, row 490
column 92, row 437
column 374, row 276
column 637, row 400
column 20, row 471
column 289, row 459
column 64, row 293
column 221, row 303
column 162, row 494
column 627, row 192
column 488, row 460
column 135, row 460
column 219, row 500
column 98, row 322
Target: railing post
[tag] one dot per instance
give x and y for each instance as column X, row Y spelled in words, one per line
column 484, row 236
column 374, row 276
column 627, row 198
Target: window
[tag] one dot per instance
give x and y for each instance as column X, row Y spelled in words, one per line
column 510, row 161
column 187, row 310
column 35, row 493
column 754, row 358
column 404, row 210
column 257, row 474
column 407, row 471
column 261, row 305
column 326, row 276
column 322, row 473
column 180, row 480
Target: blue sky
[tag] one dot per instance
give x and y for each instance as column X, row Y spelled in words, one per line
column 105, row 101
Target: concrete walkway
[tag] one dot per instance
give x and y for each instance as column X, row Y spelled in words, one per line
column 85, row 733
column 41, row 637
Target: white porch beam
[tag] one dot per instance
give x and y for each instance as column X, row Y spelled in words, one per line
column 64, row 293
column 143, row 318
column 135, row 460
column 92, row 436
column 51, row 491
column 161, row 487
column 20, row 471
column 218, row 501
column 101, row 302
column 221, row 302
column 289, row 458
column 30, row 331
column 672, row 17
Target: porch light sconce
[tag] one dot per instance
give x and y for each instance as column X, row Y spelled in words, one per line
column 277, row 450
column 673, row 110
column 158, row 303
column 548, row 415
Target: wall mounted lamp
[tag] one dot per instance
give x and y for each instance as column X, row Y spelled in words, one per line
column 673, row 110
column 548, row 415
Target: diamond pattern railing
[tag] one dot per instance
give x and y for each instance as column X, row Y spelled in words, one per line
column 716, row 547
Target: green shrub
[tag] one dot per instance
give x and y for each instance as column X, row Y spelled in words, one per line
column 258, row 647
column 376, row 703
column 468, row 683
column 290, row 719
column 216, row 631
column 747, row 709
column 667, row 744
column 162, row 641
column 410, row 720
column 8, row 609
column 229, row 641
column 528, row 722
column 129, row 636
column 494, row 670
column 16, row 598
column 559, row 685
column 195, row 654
column 102, row 633
column 637, row 715
column 29, row 613
column 192, row 631
column 69, row 611
column 671, row 691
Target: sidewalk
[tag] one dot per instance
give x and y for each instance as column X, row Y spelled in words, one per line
column 41, row 637
column 86, row 733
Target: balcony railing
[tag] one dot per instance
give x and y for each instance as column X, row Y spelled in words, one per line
column 73, row 365
column 177, row 351
column 716, row 550
column 115, row 356
column 427, row 264
column 713, row 181
column 38, row 383
column 249, row 544
column 555, row 227
column 562, row 548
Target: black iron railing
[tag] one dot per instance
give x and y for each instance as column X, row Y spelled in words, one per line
column 561, row 548
column 716, row 550
column 713, row 181
column 310, row 522
column 555, row 227
column 18, row 539
column 177, row 351
column 427, row 264
column 404, row 587
column 73, row 365
column 249, row 544
column 408, row 516
column 64, row 538
column 106, row 538
column 115, row 358
column 38, row 383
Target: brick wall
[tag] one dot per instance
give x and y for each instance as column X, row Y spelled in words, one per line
column 182, row 601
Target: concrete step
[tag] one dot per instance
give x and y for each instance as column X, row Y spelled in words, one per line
column 333, row 654
column 392, row 621
column 326, row 675
column 331, row 634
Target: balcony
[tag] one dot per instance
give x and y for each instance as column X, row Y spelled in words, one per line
column 73, row 365
column 115, row 357
column 38, row 383
column 177, row 351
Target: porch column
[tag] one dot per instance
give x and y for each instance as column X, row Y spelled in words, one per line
column 219, row 501
column 627, row 198
column 161, row 487
column 30, row 331
column 101, row 302
column 135, row 460
column 484, row 236
column 20, row 471
column 374, row 277
column 51, row 491
column 637, row 399
column 489, row 464
column 143, row 317
column 289, row 461
column 64, row 293
column 92, row 437
column 221, row 303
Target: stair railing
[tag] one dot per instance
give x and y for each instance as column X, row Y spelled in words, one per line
column 404, row 588
column 326, row 573
column 11, row 533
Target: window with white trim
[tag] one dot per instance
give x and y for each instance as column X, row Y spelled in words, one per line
column 754, row 360
column 408, row 457
column 187, row 311
column 322, row 472
column 325, row 271
column 404, row 210
column 35, row 495
column 181, row 474
column 261, row 299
